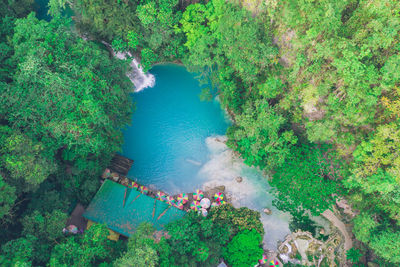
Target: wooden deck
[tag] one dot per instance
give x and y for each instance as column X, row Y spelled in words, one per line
column 76, row 217
column 121, row 164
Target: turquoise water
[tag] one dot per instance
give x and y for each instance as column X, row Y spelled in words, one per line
column 41, row 10
column 176, row 142
column 169, row 127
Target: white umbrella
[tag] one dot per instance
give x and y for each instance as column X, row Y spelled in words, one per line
column 205, row 203
column 204, row 212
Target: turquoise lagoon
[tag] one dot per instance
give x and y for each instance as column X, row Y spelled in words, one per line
column 176, row 142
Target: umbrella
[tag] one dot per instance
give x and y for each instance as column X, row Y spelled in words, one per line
column 214, row 204
column 179, row 205
column 205, row 203
column 198, row 195
column 170, row 200
column 183, row 198
column 218, row 196
column 143, row 189
column 161, row 196
column 218, row 203
column 195, row 205
column 263, row 259
column 133, row 184
column 72, row 229
column 106, row 173
column 204, row 212
column 273, row 263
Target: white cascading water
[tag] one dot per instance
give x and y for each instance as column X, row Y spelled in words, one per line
column 140, row 79
column 253, row 192
column 137, row 76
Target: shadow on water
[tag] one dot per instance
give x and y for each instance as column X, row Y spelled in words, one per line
column 41, row 9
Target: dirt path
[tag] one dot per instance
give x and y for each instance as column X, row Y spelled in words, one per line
column 348, row 243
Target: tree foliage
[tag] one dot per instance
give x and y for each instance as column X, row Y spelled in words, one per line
column 309, row 179
column 244, row 249
column 260, row 136
column 225, row 42
column 67, row 93
column 141, row 249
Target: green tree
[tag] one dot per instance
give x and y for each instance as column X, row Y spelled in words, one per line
column 386, row 244
column 47, row 226
column 353, row 255
column 69, row 94
column 236, row 219
column 23, row 159
column 7, row 198
column 16, row 8
column 194, row 240
column 147, row 59
column 84, row 251
column 309, row 179
column 260, row 136
column 244, row 249
column 47, row 230
column 228, row 45
column 18, row 252
column 141, row 249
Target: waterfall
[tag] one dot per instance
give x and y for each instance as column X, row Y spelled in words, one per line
column 140, row 79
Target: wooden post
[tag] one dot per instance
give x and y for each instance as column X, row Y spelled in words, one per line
column 123, row 203
column 135, row 199
column 162, row 214
column 154, row 206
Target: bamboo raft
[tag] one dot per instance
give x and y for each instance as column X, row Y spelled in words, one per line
column 121, row 164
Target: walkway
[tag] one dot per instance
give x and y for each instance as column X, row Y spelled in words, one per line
column 76, row 217
column 348, row 243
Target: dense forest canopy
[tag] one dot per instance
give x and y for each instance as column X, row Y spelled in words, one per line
column 312, row 86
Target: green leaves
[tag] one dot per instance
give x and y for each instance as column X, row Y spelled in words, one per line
column 83, row 251
column 308, row 179
column 119, row 45
column 237, row 219
column 147, row 13
column 68, row 93
column 244, row 249
column 198, row 240
column 23, row 160
column 260, row 137
column 147, row 59
column 47, row 226
column 226, row 42
column 353, row 255
column 7, row 198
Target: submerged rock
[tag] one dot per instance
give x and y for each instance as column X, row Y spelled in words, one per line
column 239, row 179
column 267, row 211
column 220, row 188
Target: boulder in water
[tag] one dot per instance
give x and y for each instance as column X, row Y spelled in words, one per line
column 220, row 188
column 239, row 179
column 267, row 211
column 115, row 176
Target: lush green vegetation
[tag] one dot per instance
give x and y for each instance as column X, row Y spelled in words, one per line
column 313, row 88
column 199, row 241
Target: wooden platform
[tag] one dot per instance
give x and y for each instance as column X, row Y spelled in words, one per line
column 76, row 217
column 121, row 164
